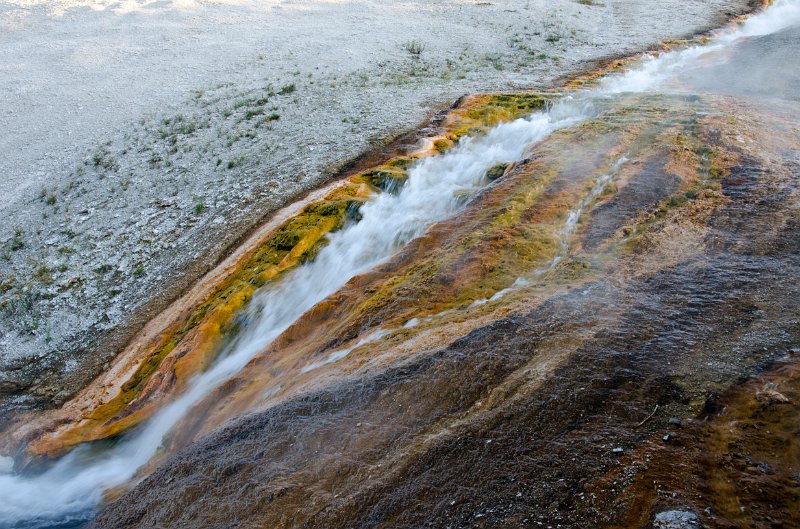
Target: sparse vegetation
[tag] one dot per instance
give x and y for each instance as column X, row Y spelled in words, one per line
column 16, row 241
column 414, row 47
column 21, row 307
column 48, row 196
column 43, row 274
column 104, row 268
column 104, row 160
column 495, row 60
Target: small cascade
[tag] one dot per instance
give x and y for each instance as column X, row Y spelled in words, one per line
column 438, row 187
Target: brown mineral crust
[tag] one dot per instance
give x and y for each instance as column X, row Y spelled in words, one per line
column 556, row 414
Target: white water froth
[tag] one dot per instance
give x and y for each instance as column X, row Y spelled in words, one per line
column 436, row 189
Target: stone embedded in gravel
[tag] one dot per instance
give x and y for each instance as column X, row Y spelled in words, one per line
column 676, row 520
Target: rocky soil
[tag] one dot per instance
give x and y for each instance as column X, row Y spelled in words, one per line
column 149, row 137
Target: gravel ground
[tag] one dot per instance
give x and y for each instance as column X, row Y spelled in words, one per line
column 142, row 138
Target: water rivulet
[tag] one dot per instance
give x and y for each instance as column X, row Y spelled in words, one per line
column 643, row 239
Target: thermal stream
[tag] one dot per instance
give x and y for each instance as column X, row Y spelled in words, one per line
column 72, row 486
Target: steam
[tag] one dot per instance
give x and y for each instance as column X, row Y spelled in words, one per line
column 436, row 189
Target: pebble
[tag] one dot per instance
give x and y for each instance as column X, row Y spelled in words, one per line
column 676, row 520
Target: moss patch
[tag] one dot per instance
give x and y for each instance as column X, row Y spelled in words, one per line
column 481, row 113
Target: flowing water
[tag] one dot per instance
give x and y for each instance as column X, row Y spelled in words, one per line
column 65, row 493
column 564, row 236
column 436, row 189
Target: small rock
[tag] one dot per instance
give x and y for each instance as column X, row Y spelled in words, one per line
column 496, row 171
column 674, row 421
column 676, row 520
column 710, row 405
column 167, row 203
column 69, row 283
column 618, row 450
column 769, row 394
column 668, row 437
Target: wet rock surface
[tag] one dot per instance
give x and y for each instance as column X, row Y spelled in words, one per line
column 554, row 415
column 604, row 337
column 131, row 172
column 651, row 185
